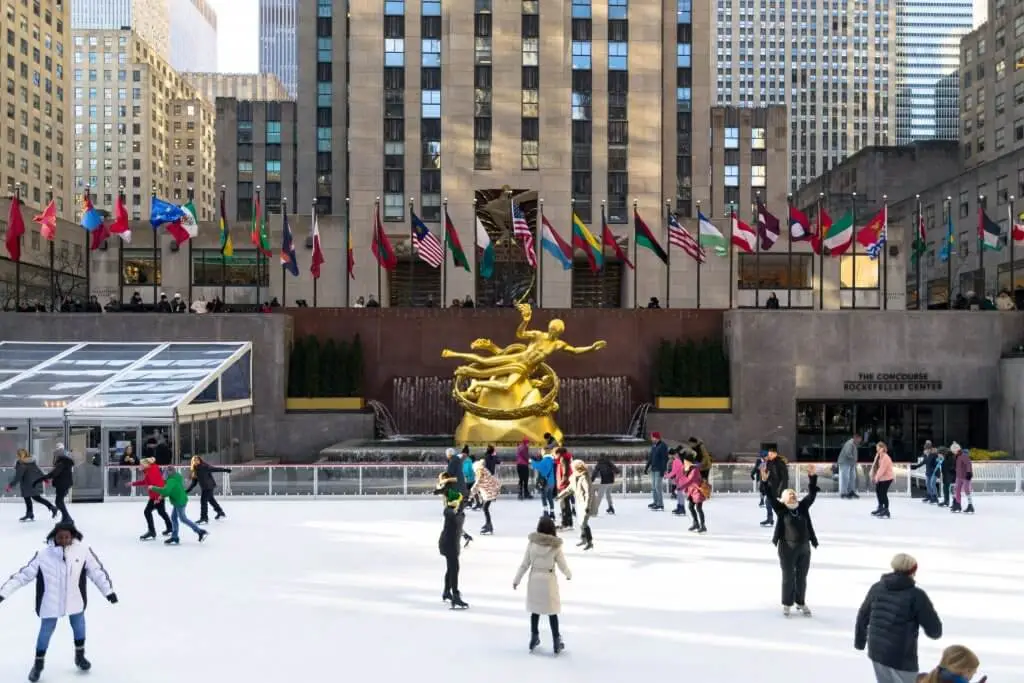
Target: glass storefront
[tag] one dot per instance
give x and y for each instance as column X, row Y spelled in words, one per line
column 822, row 427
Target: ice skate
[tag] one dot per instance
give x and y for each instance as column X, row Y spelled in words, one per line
column 652, row 506
column 446, row 596
column 694, row 527
column 702, row 530
column 220, row 515
column 534, row 641
column 81, row 662
column 168, row 532
column 466, row 540
column 486, row 529
column 202, row 520
column 804, row 610
column 884, row 514
column 27, row 518
column 786, row 609
column 203, row 535
column 768, row 522
column 876, row 512
column 558, row 645
column 969, row 510
column 955, row 507
column 173, row 540
column 679, row 510
column 148, row 536
column 457, row 602
column 37, row 667
column 610, row 510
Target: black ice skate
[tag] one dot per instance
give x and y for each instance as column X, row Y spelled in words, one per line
column 168, row 532
column 446, row 596
column 81, row 662
column 458, row 603
column 679, row 510
column 876, row 512
column 203, row 535
column 202, row 520
column 534, row 641
column 610, row 510
column 220, row 515
column 702, row 530
column 694, row 527
column 37, row 667
column 769, row 522
column 558, row 645
column 969, row 510
column 27, row 518
column 588, row 539
column 466, row 540
column 955, row 507
column 487, row 529
column 173, row 540
column 884, row 514
column 148, row 536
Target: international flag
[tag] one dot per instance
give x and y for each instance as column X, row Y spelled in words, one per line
column 818, row 236
column 874, row 235
column 485, row 249
column 453, row 243
column 48, row 220
column 799, row 225
column 948, row 247
column 288, row 259
column 381, row 245
column 350, row 261
column 161, row 212
column 767, row 227
column 710, row 236
column 186, row 227
column 258, row 231
column 585, row 241
column 521, row 231
column 318, row 252
column 838, row 235
column 91, row 218
column 15, row 229
column 121, row 227
column 555, row 245
column 743, row 236
column 920, row 238
column 680, row 237
column 227, row 247
column 1018, row 233
column 98, row 236
column 608, row 239
column 988, row 232
column 646, row 239
column 426, row 246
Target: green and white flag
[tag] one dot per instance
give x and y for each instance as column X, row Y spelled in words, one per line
column 711, row 237
column 485, row 251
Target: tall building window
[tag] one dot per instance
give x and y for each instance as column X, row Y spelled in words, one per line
column 617, row 9
column 530, row 128
column 482, row 86
column 393, row 209
column 618, row 56
column 732, row 138
column 757, row 138
column 324, row 94
column 324, row 8
column 581, row 9
column 581, row 54
column 683, row 54
column 581, row 98
column 431, row 52
column 324, row 49
column 394, row 52
column 684, row 118
column 394, row 8
column 732, row 176
column 322, row 191
column 430, row 111
column 273, row 132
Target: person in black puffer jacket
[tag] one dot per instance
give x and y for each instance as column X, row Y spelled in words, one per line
column 62, row 477
column 948, row 471
column 604, row 477
column 888, row 622
column 448, row 544
column 775, row 476
column 794, row 535
column 202, row 476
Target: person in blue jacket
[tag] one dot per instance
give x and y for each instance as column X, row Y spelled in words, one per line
column 468, row 475
column 930, row 460
column 544, row 466
column 657, row 465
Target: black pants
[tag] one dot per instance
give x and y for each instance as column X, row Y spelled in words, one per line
column 206, row 500
column 697, row 512
column 795, row 562
column 451, row 575
column 524, row 480
column 161, row 510
column 58, row 502
column 945, row 483
column 882, row 492
column 567, row 511
column 39, row 499
column 487, row 513
column 552, row 621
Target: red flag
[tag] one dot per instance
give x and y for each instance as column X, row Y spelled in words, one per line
column 48, row 219
column 15, row 229
column 608, row 237
column 318, row 253
column 381, row 245
column 824, row 224
column 98, row 236
column 120, row 225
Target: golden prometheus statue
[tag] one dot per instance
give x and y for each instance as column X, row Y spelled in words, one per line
column 511, row 393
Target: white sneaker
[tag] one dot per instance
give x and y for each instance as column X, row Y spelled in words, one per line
column 804, row 610
column 786, row 610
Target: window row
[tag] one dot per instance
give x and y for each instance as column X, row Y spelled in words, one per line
column 209, row 268
column 797, row 271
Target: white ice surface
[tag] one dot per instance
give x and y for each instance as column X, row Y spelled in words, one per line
column 351, row 590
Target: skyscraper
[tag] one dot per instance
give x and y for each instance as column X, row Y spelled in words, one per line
column 277, row 41
column 928, row 49
column 183, row 32
column 831, row 64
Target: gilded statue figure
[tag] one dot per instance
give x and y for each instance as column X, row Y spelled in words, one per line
column 511, row 393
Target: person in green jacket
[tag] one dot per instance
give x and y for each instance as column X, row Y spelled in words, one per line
column 174, row 491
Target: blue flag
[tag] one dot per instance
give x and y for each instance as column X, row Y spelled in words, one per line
column 288, row 248
column 161, row 212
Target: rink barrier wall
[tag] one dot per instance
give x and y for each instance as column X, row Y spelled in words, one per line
column 410, row 480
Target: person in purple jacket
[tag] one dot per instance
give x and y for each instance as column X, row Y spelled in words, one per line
column 964, row 473
column 523, row 469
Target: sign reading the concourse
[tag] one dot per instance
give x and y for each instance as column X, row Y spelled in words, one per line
column 892, row 382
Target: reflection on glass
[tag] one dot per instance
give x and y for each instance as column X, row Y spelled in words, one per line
column 866, row 272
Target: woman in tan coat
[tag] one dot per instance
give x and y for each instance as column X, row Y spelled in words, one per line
column 587, row 503
column 543, row 554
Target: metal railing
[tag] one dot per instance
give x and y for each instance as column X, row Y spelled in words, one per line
column 394, row 480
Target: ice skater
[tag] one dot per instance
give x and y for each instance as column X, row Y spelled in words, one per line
column 563, row 485
column 931, row 461
column 202, row 475
column 582, row 490
column 691, row 488
column 544, row 466
column 152, row 477
column 59, row 571
column 26, row 476
column 774, row 480
column 657, row 464
column 487, row 488
column 794, row 537
column 448, row 542
column 62, row 477
column 543, row 554
column 523, row 469
column 883, row 476
column 604, row 478
column 964, row 473
column 947, row 468
column 455, row 472
column 174, row 491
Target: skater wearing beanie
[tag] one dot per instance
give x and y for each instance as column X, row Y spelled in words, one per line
column 882, row 475
column 486, row 488
column 448, row 543
column 62, row 477
column 174, row 491
column 151, row 476
column 691, row 488
column 26, row 474
column 202, row 475
column 794, row 536
column 59, row 571
column 543, row 554
column 544, row 465
column 604, row 478
column 964, row 473
column 582, row 490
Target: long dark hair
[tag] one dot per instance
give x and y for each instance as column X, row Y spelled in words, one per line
column 546, row 525
column 64, row 526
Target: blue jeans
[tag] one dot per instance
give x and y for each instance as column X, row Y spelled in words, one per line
column 933, row 490
column 656, row 488
column 178, row 515
column 47, row 627
column 547, row 497
column 847, row 478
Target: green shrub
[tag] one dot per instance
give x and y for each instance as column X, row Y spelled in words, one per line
column 330, row 370
column 689, row 368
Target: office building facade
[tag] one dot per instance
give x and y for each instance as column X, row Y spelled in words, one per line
column 264, row 87
column 278, row 55
column 832, row 66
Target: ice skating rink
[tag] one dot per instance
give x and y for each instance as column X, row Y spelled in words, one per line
column 351, row 590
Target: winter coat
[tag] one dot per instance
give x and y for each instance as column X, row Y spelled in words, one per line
column 563, row 472
column 28, row 477
column 963, row 466
column 151, row 476
column 543, row 554
column 454, row 469
column 580, row 487
column 657, row 459
column 59, row 575
column 890, row 618
column 544, row 466
column 794, row 527
column 605, row 470
column 487, row 485
column 174, row 490
column 491, row 462
column 62, row 474
column 674, row 470
column 689, row 481
column 467, row 471
column 930, row 461
column 848, row 453
column 450, row 542
column 202, row 474
column 703, row 461
column 523, row 454
column 882, row 468
column 778, row 477
column 948, row 467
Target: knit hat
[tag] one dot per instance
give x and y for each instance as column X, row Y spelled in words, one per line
column 954, row 448
column 449, row 453
column 656, row 435
column 903, row 564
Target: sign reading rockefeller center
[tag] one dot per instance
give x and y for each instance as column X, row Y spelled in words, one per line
column 892, row 382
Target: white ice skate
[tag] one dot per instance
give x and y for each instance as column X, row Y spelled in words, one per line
column 804, row 610
column 786, row 609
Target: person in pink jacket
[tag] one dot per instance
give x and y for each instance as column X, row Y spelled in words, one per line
column 882, row 475
column 689, row 487
column 675, row 470
column 964, row 473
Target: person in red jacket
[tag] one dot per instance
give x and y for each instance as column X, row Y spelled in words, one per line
column 152, row 476
column 563, row 473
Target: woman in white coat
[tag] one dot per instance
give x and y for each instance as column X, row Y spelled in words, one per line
column 58, row 572
column 583, row 493
column 543, row 554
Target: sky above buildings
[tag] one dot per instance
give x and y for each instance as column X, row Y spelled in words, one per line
column 238, row 35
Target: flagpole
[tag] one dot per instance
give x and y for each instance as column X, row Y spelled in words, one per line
column 120, row 250
column 540, row 253
column 604, row 262
column 732, row 232
column 259, row 247
column 572, row 266
column 284, row 280
column 821, row 254
column 853, row 203
column 313, row 219
column 668, row 253
column 1013, row 287
column 223, row 256
column 191, row 196
column 476, row 258
column 17, row 264
column 757, row 253
column 348, row 243
column 789, row 254
column 636, row 256
column 699, row 247
column 377, row 228
column 412, row 254
column 88, row 255
column 444, row 252
column 948, row 215
column 918, row 250
column 885, row 255
column 981, row 246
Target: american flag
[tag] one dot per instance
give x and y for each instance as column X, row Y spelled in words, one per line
column 521, row 231
column 680, row 237
column 427, row 247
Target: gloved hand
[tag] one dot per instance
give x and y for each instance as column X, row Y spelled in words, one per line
column 112, row 598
